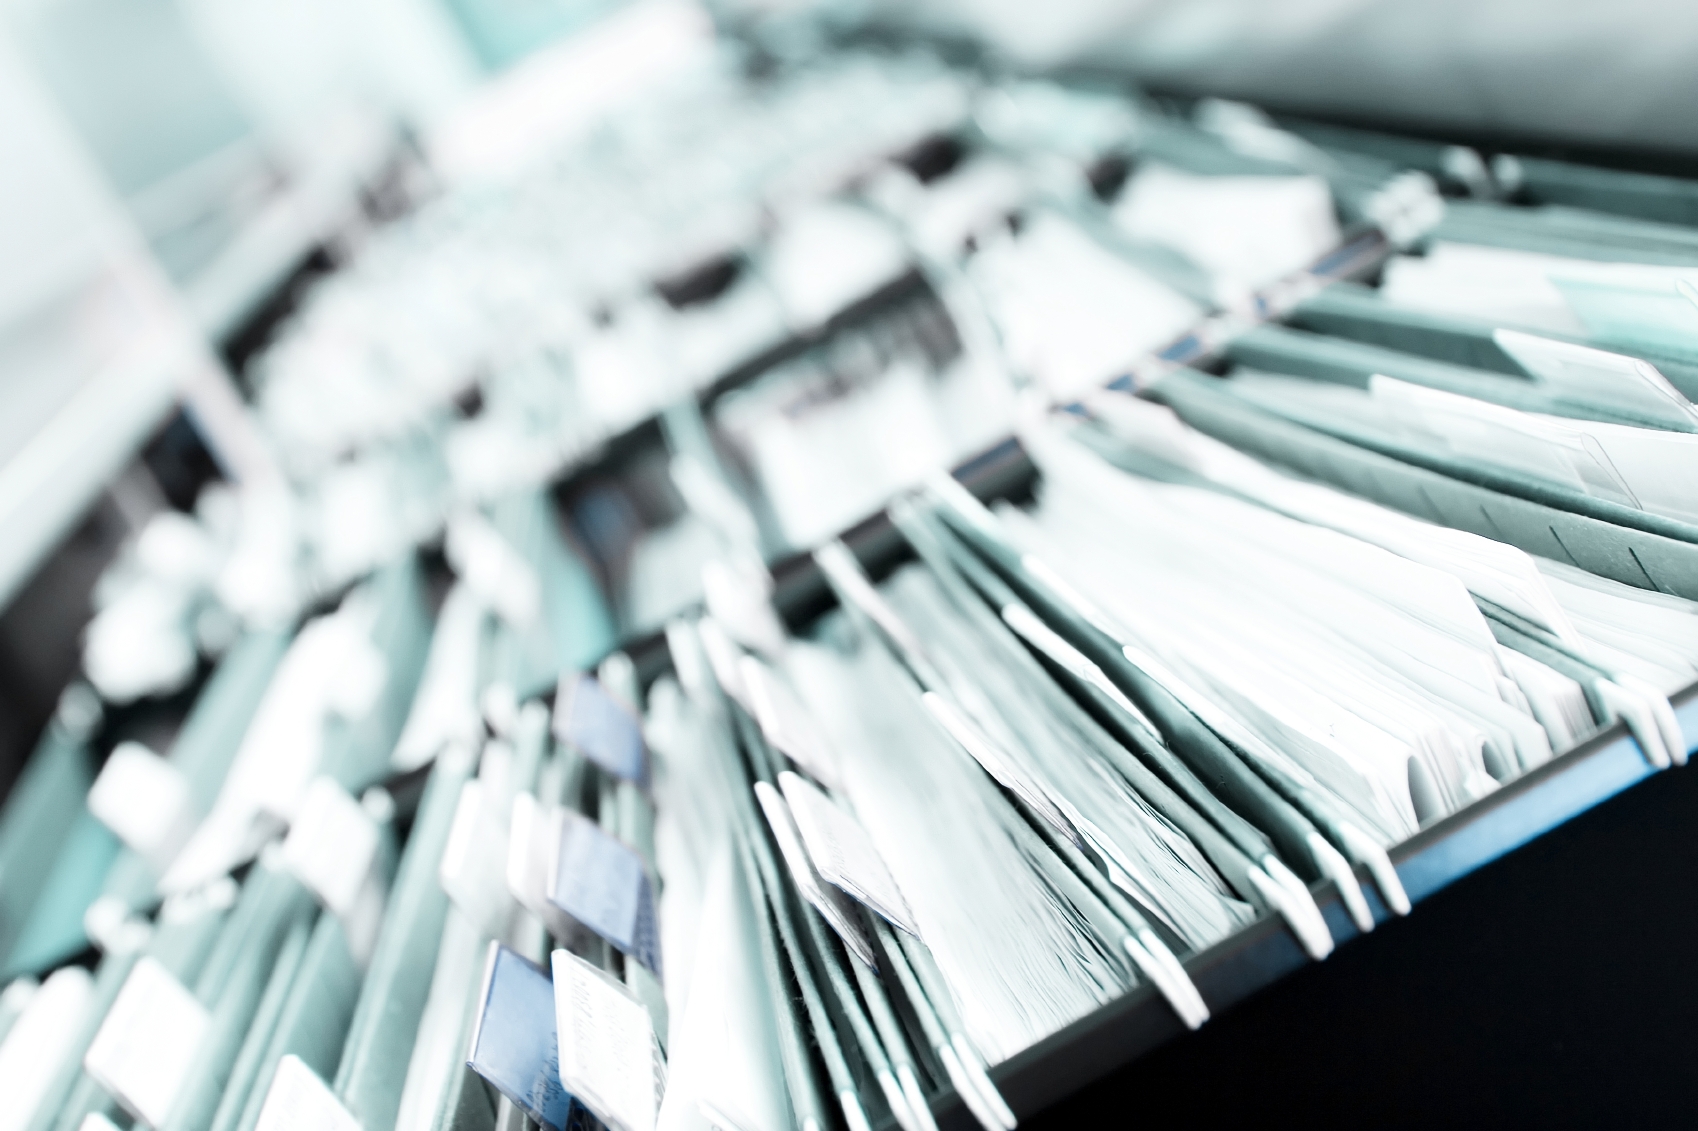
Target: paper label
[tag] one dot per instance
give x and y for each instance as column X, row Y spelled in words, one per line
column 514, row 1045
column 474, row 862
column 598, row 726
column 145, row 801
column 608, row 1055
column 300, row 1101
column 786, row 723
column 148, row 1042
column 844, row 854
column 533, row 852
column 834, row 907
column 601, row 882
column 1072, row 314
column 1250, row 229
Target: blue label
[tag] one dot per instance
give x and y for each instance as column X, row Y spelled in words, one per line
column 600, row 728
column 603, row 885
column 517, row 1049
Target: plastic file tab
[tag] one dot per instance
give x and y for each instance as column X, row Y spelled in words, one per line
column 832, row 904
column 514, row 1044
column 594, row 723
column 601, row 882
column 474, row 865
column 843, row 852
column 533, row 851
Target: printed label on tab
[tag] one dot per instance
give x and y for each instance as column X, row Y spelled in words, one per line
column 597, row 725
column 608, row 1054
column 149, row 1040
column 601, row 882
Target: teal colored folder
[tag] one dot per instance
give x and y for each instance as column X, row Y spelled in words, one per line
column 244, row 1073
column 273, row 915
column 576, row 627
column 356, row 752
column 207, row 745
column 1435, row 158
column 212, row 733
column 314, row 1018
column 1346, row 310
column 180, row 944
column 54, row 931
column 1632, row 556
column 1433, row 456
column 1278, row 349
column 43, row 816
column 373, row 1068
column 1644, row 196
column 1572, row 233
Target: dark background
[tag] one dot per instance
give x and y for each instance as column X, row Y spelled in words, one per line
column 1554, row 987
